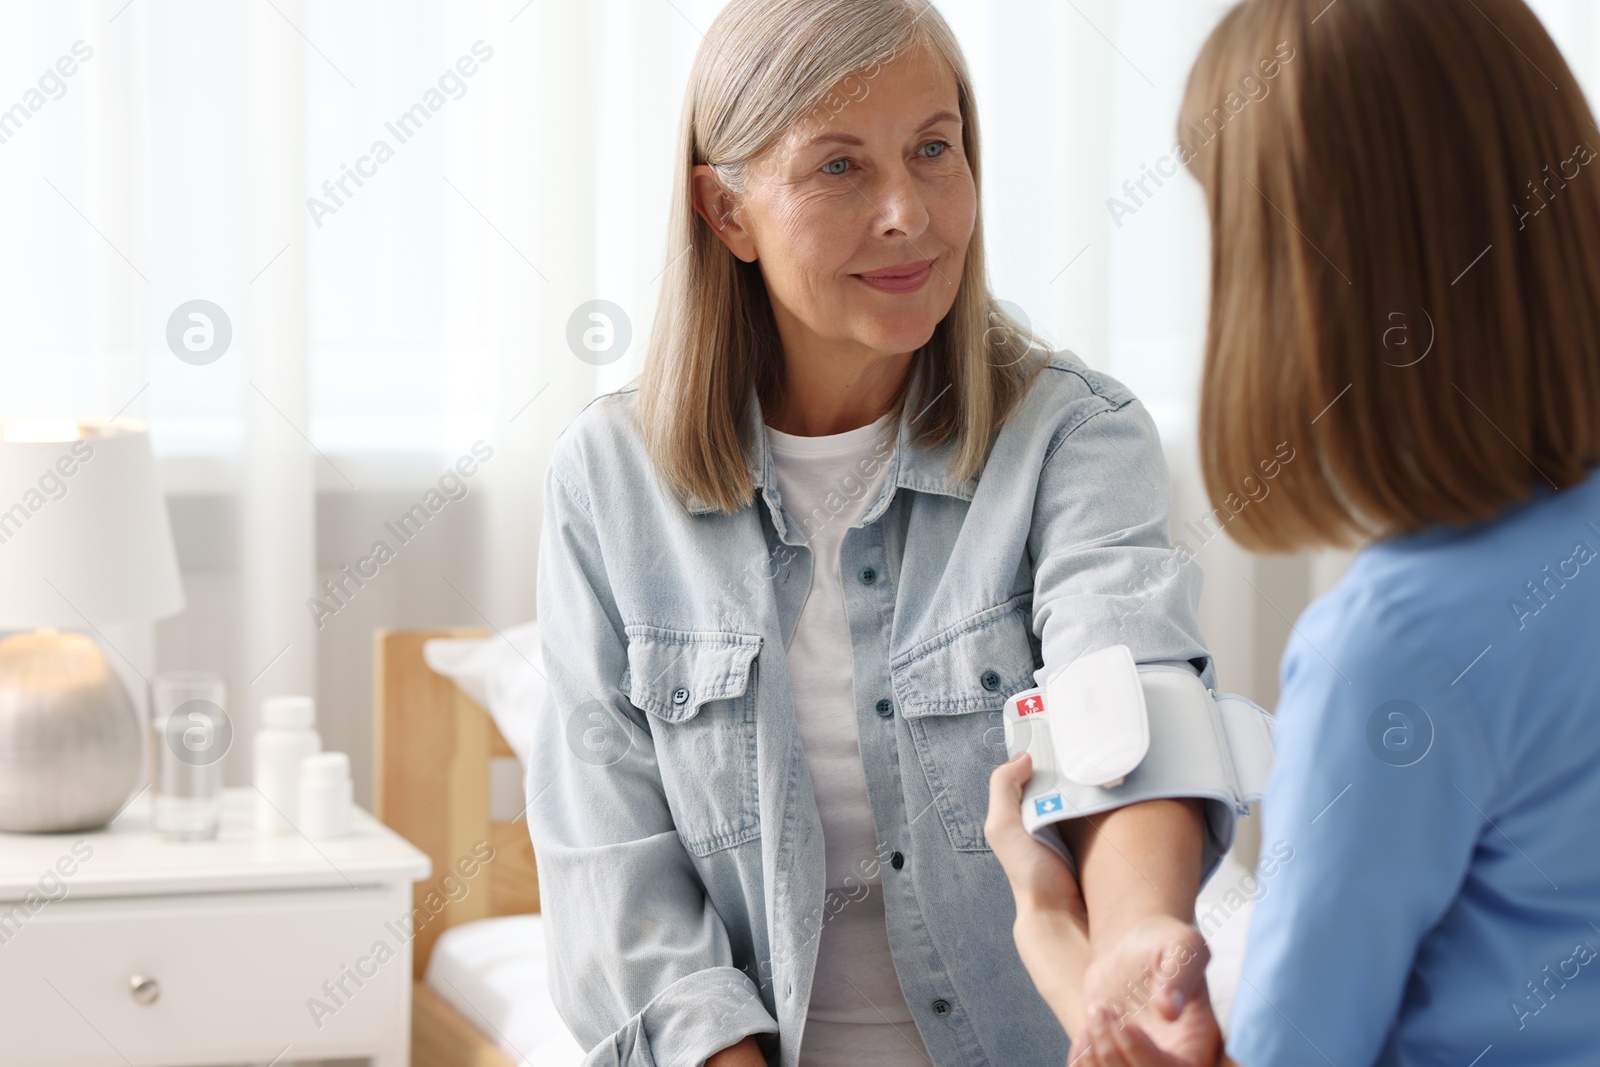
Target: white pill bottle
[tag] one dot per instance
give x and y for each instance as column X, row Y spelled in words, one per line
column 326, row 795
column 287, row 736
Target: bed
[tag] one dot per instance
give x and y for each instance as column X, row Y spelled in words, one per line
column 447, row 779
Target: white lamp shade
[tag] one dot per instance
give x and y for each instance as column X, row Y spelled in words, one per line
column 84, row 534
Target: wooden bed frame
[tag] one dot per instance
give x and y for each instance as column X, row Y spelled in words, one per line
column 431, row 750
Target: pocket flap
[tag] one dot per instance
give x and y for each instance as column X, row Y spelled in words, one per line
column 671, row 673
column 971, row 667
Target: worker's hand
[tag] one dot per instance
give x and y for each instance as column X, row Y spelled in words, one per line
column 1128, row 1046
column 1052, row 927
column 1152, row 977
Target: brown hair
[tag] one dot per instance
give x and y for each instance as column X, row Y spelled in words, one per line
column 764, row 66
column 1405, row 275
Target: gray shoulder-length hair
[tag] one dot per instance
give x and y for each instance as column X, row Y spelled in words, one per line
column 764, row 66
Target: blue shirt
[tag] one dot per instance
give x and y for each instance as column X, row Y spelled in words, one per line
column 680, row 854
column 1437, row 794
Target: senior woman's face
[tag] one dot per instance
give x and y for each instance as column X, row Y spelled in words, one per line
column 847, row 199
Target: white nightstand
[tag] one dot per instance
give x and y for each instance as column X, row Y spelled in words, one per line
column 247, row 949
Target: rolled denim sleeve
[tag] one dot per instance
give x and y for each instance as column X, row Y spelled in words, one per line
column 1106, row 573
column 640, row 964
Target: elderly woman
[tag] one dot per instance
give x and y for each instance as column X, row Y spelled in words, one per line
column 1404, row 285
column 788, row 580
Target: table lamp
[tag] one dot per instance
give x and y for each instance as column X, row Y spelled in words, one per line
column 84, row 542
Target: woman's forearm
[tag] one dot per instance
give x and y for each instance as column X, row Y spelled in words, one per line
column 1138, row 861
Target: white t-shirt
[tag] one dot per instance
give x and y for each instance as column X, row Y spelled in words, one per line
column 858, row 1013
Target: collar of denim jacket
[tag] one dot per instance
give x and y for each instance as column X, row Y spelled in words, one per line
column 912, row 465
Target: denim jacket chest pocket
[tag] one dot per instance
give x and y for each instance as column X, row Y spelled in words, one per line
column 699, row 690
column 952, row 690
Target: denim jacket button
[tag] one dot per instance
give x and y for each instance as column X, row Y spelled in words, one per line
column 990, row 680
column 885, row 707
column 941, row 1008
column 897, row 861
column 868, row 575
column 680, row 695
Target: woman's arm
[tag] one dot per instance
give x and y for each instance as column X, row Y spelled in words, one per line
column 1106, row 572
column 1137, row 862
column 1140, row 872
column 640, row 958
column 1053, row 939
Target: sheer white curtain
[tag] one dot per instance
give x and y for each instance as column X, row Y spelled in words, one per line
column 392, row 307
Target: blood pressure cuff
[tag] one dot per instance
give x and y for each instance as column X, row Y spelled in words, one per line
column 1204, row 744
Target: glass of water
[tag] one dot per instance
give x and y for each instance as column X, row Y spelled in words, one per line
column 192, row 733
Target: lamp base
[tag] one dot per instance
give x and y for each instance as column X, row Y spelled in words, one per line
column 70, row 745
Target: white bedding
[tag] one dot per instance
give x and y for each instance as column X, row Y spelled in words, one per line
column 493, row 972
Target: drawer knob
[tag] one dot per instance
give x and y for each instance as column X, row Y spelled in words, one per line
column 144, row 989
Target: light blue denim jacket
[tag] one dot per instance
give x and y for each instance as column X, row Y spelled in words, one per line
column 680, row 856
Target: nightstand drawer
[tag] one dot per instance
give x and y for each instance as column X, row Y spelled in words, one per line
column 235, row 976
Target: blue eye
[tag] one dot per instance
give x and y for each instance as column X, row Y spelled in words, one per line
column 835, row 173
column 940, row 145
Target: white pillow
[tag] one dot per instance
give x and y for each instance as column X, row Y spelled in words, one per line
column 494, row 972
column 503, row 672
